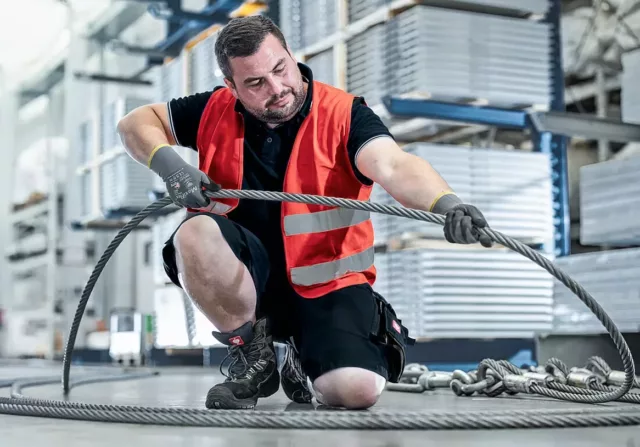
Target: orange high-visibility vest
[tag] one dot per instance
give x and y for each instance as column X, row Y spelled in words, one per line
column 326, row 248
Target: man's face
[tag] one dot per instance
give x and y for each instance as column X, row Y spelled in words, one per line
column 269, row 83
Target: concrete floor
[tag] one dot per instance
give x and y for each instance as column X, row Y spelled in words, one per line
column 188, row 387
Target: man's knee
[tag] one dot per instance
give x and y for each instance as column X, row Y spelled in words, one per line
column 197, row 234
column 351, row 388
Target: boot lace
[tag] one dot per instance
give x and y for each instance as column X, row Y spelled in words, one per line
column 244, row 359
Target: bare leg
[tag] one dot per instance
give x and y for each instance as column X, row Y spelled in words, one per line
column 211, row 274
column 351, row 388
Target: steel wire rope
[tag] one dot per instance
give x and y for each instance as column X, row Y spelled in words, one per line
column 619, row 415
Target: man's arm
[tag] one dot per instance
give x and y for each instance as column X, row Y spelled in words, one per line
column 409, row 179
column 148, row 134
column 414, row 183
column 144, row 129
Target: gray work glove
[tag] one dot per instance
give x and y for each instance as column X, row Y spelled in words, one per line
column 460, row 221
column 185, row 183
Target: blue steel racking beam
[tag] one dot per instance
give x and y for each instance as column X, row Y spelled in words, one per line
column 556, row 145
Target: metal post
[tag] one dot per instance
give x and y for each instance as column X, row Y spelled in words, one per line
column 52, row 229
column 556, row 145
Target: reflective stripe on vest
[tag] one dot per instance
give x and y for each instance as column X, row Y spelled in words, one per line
column 323, row 221
column 327, row 271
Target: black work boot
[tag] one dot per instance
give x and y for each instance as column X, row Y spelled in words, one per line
column 294, row 380
column 253, row 371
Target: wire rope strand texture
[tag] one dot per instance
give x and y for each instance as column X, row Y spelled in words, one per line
column 337, row 420
column 73, row 332
column 517, row 246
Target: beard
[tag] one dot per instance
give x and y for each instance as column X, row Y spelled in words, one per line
column 283, row 114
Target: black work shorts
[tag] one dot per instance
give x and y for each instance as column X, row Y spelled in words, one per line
column 333, row 331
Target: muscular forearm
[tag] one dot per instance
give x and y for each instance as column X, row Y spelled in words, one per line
column 141, row 131
column 416, row 184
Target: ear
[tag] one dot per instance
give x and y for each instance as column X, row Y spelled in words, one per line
column 232, row 87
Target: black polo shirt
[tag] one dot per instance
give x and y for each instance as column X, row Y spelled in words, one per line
column 266, row 153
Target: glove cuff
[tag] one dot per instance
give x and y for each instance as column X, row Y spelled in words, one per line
column 444, row 202
column 164, row 161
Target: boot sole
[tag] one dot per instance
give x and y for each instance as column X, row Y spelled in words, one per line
column 225, row 400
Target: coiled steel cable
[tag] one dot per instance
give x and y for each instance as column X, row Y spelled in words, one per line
column 350, row 420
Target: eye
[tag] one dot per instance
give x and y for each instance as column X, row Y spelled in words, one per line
column 280, row 69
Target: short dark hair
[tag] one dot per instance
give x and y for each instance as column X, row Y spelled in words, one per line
column 242, row 37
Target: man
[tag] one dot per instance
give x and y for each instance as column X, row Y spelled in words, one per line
column 267, row 271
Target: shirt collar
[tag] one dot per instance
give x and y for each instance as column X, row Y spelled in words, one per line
column 307, row 75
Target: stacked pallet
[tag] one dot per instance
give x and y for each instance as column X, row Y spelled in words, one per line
column 512, row 189
column 466, row 292
column 612, row 278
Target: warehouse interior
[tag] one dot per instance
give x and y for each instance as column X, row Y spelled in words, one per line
column 525, row 107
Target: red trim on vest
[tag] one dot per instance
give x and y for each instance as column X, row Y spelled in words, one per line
column 319, row 164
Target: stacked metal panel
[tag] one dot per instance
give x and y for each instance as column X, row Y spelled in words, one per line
column 438, row 52
column 530, row 6
column 630, row 98
column 319, row 19
column 162, row 229
column 86, row 141
column 467, row 293
column 322, row 67
column 513, row 190
column 612, row 278
column 359, row 9
column 366, row 72
column 609, row 203
column 172, row 82
column 86, row 191
column 124, row 184
column 291, row 23
column 112, row 113
column 171, row 322
column 204, row 72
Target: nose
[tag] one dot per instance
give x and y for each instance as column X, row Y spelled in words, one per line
column 275, row 86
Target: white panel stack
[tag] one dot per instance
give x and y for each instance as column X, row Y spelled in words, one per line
column 170, row 318
column 202, row 329
column 204, row 72
column 467, row 293
column 612, row 278
column 630, row 97
column 322, row 67
column 438, row 52
column 291, row 23
column 529, row 6
column 86, row 189
column 114, row 112
column 124, row 184
column 609, row 203
column 162, row 229
column 172, row 82
column 359, row 9
column 87, row 141
column 366, row 70
column 512, row 189
column 319, row 20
